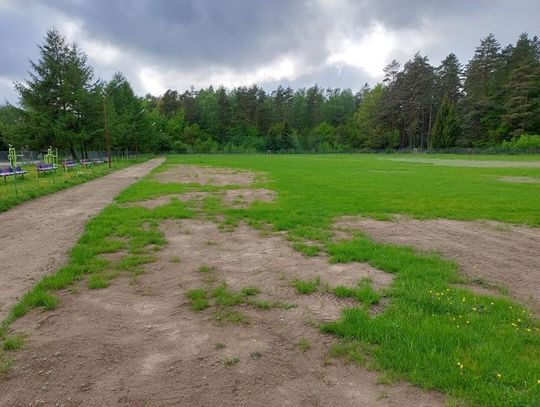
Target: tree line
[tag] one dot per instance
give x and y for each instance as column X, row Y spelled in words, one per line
column 493, row 100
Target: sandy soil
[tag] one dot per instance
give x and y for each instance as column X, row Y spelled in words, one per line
column 498, row 253
column 187, row 174
column 520, row 180
column 470, row 163
column 36, row 236
column 140, row 344
column 233, row 198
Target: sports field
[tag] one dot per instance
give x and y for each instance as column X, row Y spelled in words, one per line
column 353, row 276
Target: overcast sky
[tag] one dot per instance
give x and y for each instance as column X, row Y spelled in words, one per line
column 161, row 44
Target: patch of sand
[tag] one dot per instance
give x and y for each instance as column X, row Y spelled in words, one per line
column 187, row 174
column 499, row 253
column 244, row 198
column 118, row 347
column 469, row 163
column 520, row 180
column 36, row 236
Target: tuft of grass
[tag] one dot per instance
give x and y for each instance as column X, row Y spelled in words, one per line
column 219, row 345
column 250, row 291
column 229, row 362
column 261, row 304
column 307, row 287
column 255, row 355
column 226, row 298
column 307, row 250
column 197, row 299
column 6, row 364
column 304, row 345
column 97, row 281
column 13, row 343
column 206, row 269
column 175, row 259
column 229, row 316
column 285, row 305
column 350, row 350
column 363, row 293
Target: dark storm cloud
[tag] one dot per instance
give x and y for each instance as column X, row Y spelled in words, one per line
column 162, row 43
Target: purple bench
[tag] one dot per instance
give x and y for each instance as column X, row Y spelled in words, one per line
column 9, row 171
column 69, row 164
column 97, row 161
column 86, row 162
column 44, row 167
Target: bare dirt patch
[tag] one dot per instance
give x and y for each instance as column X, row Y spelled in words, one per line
column 498, row 253
column 166, row 199
column 187, row 174
column 520, row 180
column 118, row 347
column 470, row 163
column 244, row 198
column 36, row 236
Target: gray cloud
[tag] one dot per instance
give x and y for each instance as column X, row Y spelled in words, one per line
column 338, row 43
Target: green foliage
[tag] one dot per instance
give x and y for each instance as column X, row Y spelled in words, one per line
column 307, row 287
column 523, row 142
column 13, row 343
column 446, row 129
column 304, row 344
column 197, row 298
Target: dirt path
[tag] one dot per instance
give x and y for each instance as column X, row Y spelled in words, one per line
column 139, row 343
column 486, row 251
column 36, row 236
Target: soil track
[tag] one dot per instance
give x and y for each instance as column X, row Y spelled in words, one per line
column 493, row 252
column 36, row 236
column 139, row 343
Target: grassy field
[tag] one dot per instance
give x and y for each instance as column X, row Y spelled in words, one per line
column 14, row 192
column 478, row 349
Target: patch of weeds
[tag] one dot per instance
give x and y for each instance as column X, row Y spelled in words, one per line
column 285, row 305
column 307, row 250
column 307, row 287
column 261, row 304
column 304, row 345
column 219, row 345
column 352, row 351
column 13, row 342
column 197, row 299
column 255, row 355
column 209, row 278
column 5, row 364
column 226, row 298
column 175, row 259
column 229, row 362
column 229, row 316
column 211, row 243
column 97, row 281
column 249, row 291
column 503, row 290
column 206, row 269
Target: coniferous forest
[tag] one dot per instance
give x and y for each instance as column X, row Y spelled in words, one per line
column 492, row 101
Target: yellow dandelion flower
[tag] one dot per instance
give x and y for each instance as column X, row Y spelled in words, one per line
column 498, row 375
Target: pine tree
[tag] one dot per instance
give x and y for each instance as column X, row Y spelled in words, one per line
column 56, row 95
column 446, row 128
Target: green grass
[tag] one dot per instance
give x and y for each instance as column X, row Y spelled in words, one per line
column 31, row 187
column 197, row 299
column 364, row 293
column 304, row 345
column 229, row 362
column 306, row 287
column 226, row 298
column 477, row 349
column 13, row 342
column 207, row 269
column 250, row 291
